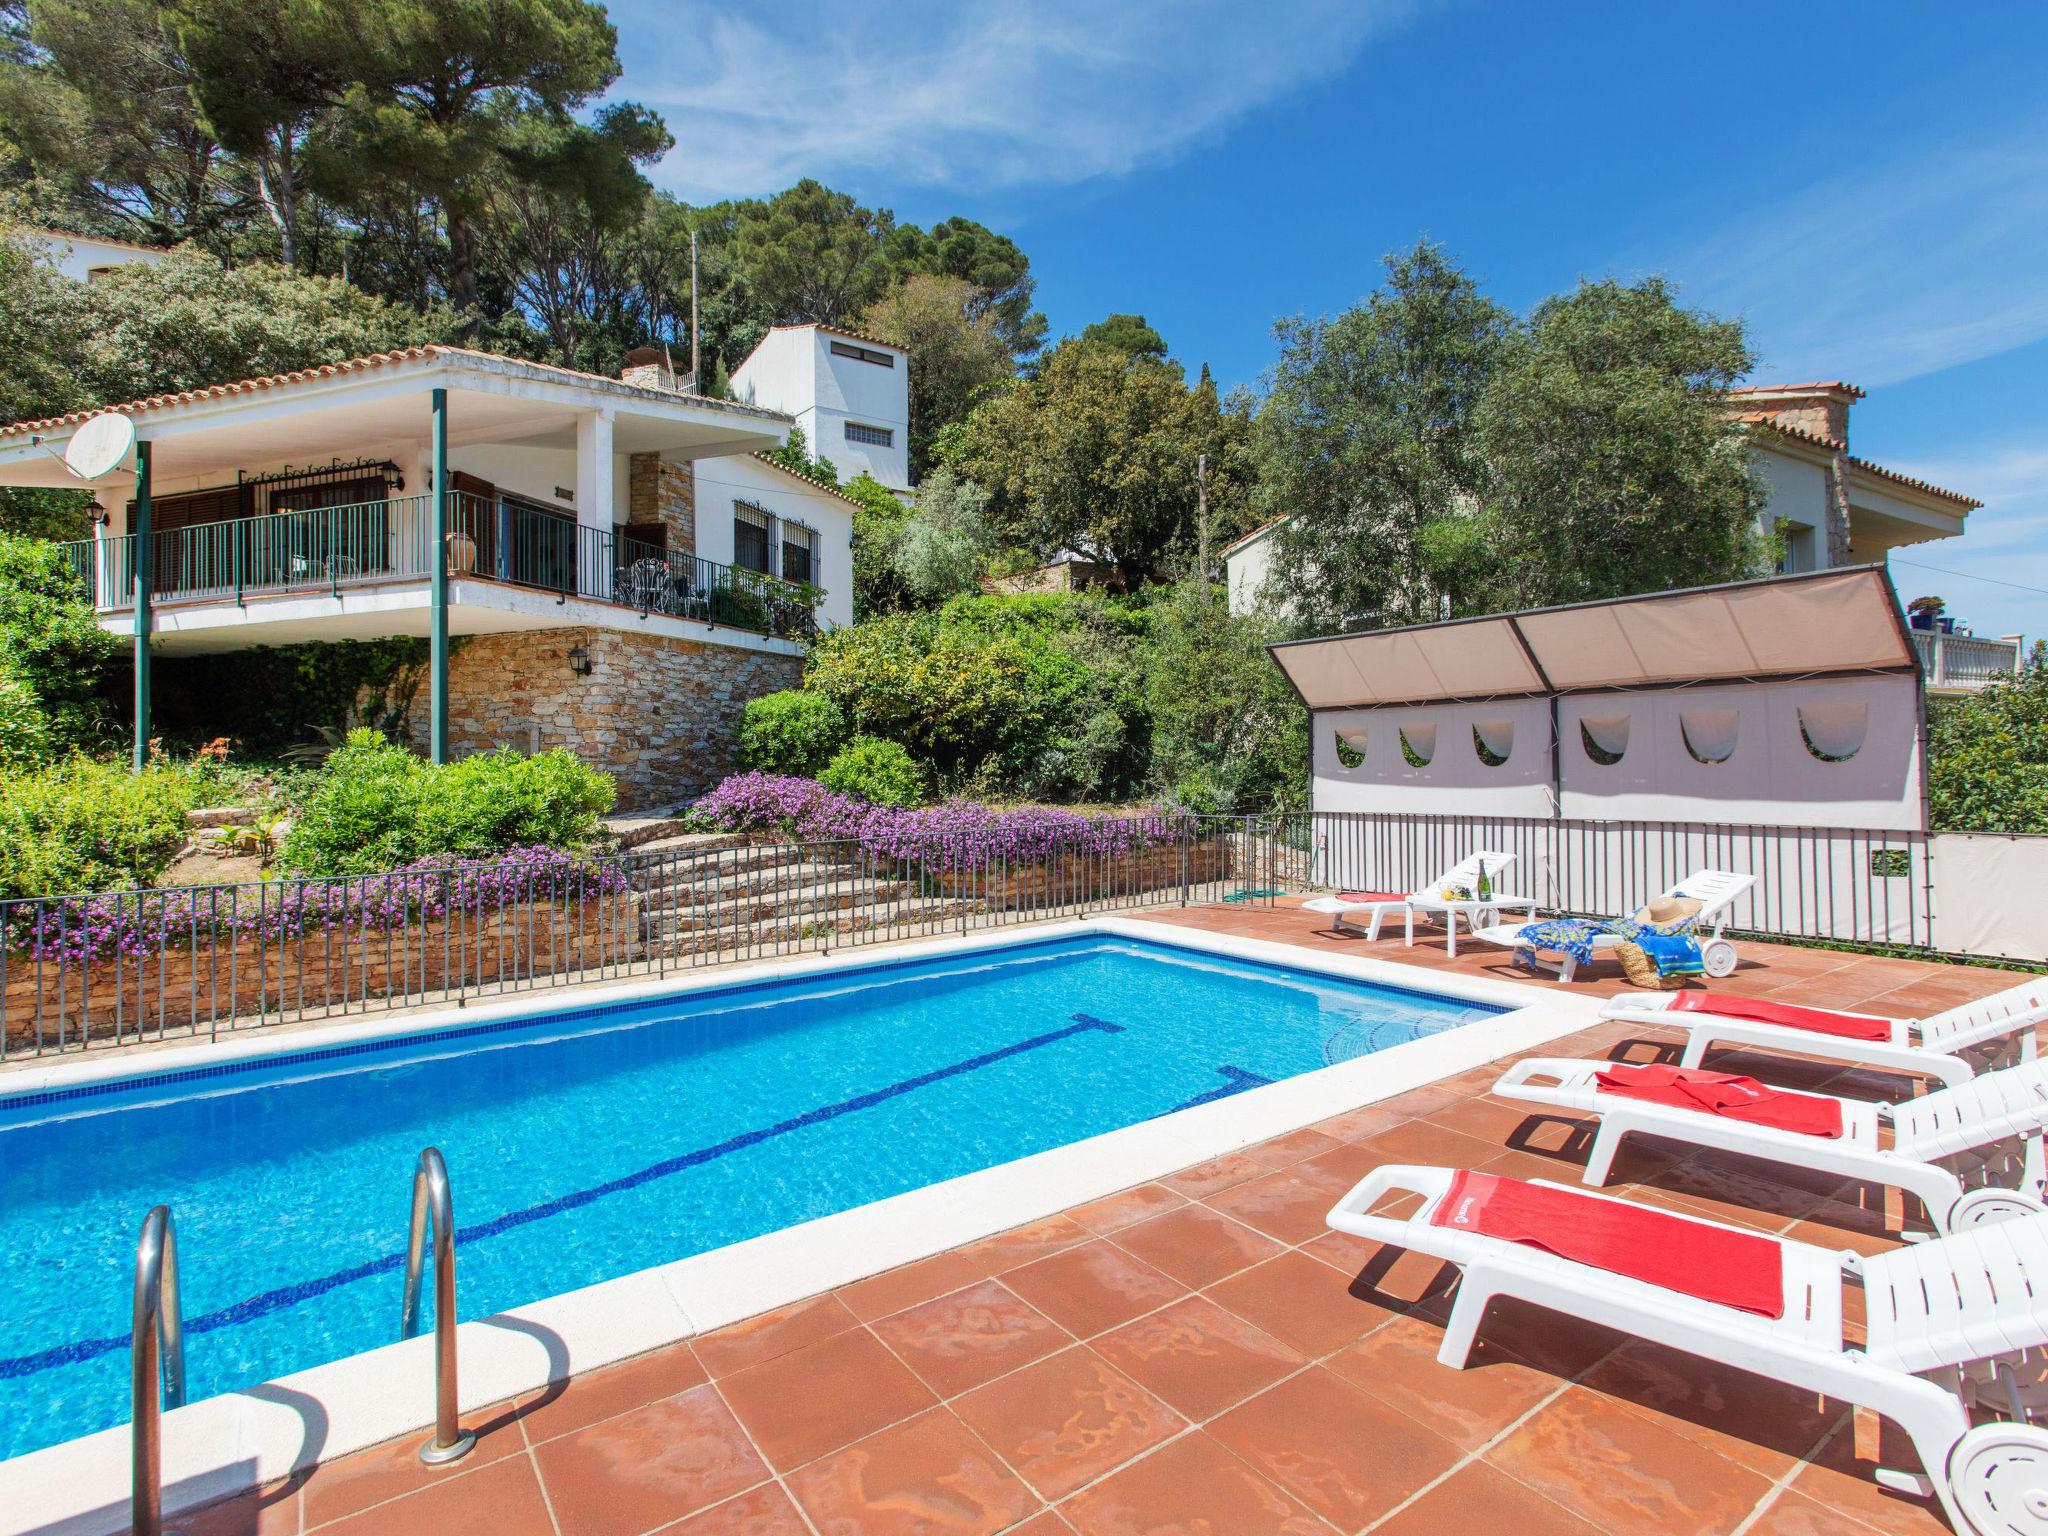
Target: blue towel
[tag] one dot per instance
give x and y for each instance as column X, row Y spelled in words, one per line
column 1674, row 951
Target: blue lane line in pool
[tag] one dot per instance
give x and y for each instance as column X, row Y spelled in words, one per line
column 1236, row 1080
column 304, row 1290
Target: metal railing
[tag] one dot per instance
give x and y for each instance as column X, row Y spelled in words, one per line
column 329, row 549
column 205, row 962
column 1964, row 661
column 156, row 1355
column 433, row 1203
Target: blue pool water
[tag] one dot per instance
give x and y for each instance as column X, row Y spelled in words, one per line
column 591, row 1143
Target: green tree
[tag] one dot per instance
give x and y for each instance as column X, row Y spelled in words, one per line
column 878, row 522
column 957, row 353
column 945, row 542
column 1228, row 734
column 794, row 453
column 1127, row 333
column 1366, row 438
column 53, row 643
column 992, row 265
column 1616, row 464
column 1099, row 453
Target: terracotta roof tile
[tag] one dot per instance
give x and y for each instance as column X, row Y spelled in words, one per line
column 830, row 490
column 840, row 330
column 1811, row 384
column 1799, row 434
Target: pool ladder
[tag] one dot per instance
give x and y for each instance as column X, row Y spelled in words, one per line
column 432, row 1202
column 156, row 1352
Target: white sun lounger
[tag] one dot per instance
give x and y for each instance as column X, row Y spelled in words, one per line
column 1714, row 889
column 1948, row 1323
column 1937, row 1140
column 1951, row 1046
column 1463, row 873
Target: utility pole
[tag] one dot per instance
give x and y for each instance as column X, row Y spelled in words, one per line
column 696, row 377
column 1202, row 515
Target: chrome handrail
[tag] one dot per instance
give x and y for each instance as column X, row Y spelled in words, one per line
column 431, row 1201
column 157, row 1352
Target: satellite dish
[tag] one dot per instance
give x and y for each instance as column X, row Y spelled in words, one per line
column 98, row 447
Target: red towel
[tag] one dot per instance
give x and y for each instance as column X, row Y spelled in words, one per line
column 1372, row 895
column 1823, row 1021
column 1731, row 1269
column 1726, row 1095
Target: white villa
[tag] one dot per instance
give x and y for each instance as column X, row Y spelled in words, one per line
column 1829, row 509
column 607, row 564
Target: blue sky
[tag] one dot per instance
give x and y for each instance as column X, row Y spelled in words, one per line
column 1867, row 185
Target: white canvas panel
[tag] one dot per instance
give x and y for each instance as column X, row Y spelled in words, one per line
column 1456, row 780
column 1987, row 895
column 1761, row 771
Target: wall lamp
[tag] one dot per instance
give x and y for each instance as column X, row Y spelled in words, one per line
column 579, row 661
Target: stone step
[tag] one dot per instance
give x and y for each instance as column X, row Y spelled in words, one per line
column 797, row 903
column 756, row 885
column 676, row 878
column 634, row 831
column 687, row 842
column 223, row 816
column 911, row 916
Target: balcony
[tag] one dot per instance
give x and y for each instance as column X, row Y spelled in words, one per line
column 1963, row 663
column 343, row 550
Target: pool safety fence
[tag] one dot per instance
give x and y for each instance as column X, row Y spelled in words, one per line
column 205, row 962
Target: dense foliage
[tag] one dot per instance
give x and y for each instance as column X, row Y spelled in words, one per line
column 1436, row 454
column 879, row 772
column 378, row 807
column 1227, row 732
column 271, row 701
column 52, row 652
column 1987, row 757
column 790, row 732
column 90, row 826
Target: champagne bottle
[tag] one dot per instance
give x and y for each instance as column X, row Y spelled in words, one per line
column 1485, row 887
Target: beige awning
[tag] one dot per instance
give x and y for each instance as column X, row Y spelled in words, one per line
column 1787, row 626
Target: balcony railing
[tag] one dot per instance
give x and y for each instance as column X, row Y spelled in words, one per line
column 1963, row 661
column 330, row 549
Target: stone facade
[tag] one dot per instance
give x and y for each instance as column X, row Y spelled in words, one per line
column 662, row 490
column 660, row 715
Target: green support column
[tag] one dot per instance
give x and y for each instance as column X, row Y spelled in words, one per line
column 437, row 565
column 144, row 572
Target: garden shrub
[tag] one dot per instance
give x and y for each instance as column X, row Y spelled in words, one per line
column 24, row 729
column 793, row 732
column 879, row 772
column 53, row 643
column 1987, row 757
column 84, row 826
column 376, row 806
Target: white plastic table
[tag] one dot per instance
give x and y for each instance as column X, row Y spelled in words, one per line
column 1478, row 914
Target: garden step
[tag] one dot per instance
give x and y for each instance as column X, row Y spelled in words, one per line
column 693, row 860
column 677, row 841
column 635, row 831
column 819, row 898
column 734, row 875
column 755, row 885
column 909, row 916
column 223, row 816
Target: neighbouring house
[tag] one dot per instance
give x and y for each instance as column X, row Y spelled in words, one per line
column 848, row 392
column 85, row 257
column 606, row 564
column 1065, row 572
column 1827, row 508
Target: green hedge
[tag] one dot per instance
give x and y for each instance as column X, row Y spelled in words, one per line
column 879, row 772
column 790, row 732
column 85, row 826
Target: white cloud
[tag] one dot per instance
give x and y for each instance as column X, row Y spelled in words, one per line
column 1895, row 269
column 978, row 94
column 2002, row 559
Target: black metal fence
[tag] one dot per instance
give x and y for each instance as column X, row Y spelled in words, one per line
column 201, row 962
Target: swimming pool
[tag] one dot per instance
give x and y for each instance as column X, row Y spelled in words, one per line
column 589, row 1143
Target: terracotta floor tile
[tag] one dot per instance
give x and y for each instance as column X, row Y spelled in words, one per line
column 1747, row 1418
column 1118, row 1211
column 1065, row 1421
column 1476, row 1498
column 1095, row 1286
column 1421, row 1141
column 1842, row 1479
column 812, row 1400
column 1301, row 1302
column 1397, row 1364
column 741, row 1344
column 1192, row 1486
column 764, row 1511
column 1356, row 1124
column 272, row 1511
column 500, row 1498
column 1793, row 1514
column 929, row 1477
column 1284, row 1151
column 1494, row 1120
column 1288, row 1206
column 595, row 1395
column 969, row 1336
column 631, row 1473
column 1197, row 1357
column 1007, row 1250
column 1349, row 1457
column 895, row 1289
column 1196, row 1245
column 1045, row 1523
column 1625, row 1472
column 1204, row 1179
column 1559, row 1346
column 343, row 1486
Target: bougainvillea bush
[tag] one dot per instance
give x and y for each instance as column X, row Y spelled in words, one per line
column 957, row 832
column 132, row 925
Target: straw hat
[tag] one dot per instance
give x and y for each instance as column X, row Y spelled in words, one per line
column 1668, row 909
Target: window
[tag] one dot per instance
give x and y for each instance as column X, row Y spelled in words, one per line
column 1833, row 733
column 1708, row 734
column 1494, row 742
column 799, row 553
column 862, row 354
column 1418, row 745
column 752, row 536
column 857, row 432
column 1605, row 740
column 1351, row 747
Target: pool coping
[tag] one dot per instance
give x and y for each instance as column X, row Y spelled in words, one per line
column 241, row 1440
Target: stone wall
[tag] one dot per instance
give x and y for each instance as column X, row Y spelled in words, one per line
column 662, row 490
column 660, row 715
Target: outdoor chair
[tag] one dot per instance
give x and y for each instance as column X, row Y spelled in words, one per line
column 1463, row 875
column 1714, row 889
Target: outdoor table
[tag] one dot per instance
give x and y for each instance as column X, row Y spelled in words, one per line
column 1478, row 914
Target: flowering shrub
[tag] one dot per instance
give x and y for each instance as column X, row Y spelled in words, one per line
column 957, row 832
column 79, row 930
